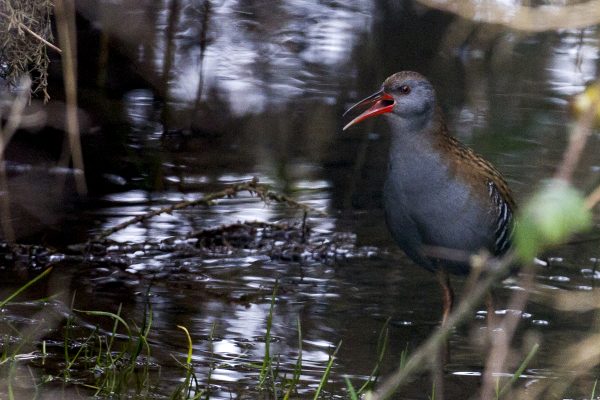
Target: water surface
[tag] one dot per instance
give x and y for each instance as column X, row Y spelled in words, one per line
column 199, row 95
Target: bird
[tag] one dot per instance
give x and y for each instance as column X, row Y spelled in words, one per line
column 442, row 201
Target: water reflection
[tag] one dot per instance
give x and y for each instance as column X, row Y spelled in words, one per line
column 265, row 85
column 574, row 61
column 262, row 58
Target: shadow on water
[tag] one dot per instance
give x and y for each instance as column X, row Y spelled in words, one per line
column 179, row 99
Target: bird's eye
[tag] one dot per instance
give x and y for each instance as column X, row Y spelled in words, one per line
column 405, row 89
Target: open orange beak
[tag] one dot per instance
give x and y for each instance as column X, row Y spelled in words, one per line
column 381, row 103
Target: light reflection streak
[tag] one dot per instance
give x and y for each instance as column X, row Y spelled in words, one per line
column 574, row 61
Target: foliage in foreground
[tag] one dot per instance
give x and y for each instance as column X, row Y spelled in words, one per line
column 119, row 362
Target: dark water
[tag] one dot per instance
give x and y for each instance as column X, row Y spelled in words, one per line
column 193, row 97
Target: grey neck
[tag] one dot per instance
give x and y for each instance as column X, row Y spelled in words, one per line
column 414, row 124
column 412, row 139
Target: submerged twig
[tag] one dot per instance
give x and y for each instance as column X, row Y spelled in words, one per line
column 262, row 191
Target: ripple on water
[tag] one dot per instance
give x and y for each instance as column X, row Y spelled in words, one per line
column 590, row 273
column 540, row 322
column 130, row 196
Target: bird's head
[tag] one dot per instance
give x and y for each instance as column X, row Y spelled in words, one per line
column 407, row 95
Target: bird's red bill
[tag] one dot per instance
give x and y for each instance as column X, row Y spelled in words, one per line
column 381, row 103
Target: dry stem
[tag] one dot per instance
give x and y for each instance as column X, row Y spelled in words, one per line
column 6, row 132
column 65, row 17
column 496, row 270
column 592, row 199
column 577, row 140
column 502, row 337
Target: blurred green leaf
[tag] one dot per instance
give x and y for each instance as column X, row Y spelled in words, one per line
column 553, row 214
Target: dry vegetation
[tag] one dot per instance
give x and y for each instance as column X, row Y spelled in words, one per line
column 26, row 34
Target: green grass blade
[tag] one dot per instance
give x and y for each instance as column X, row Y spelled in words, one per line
column 107, row 314
column 211, row 365
column 298, row 366
column 266, row 365
column 404, row 357
column 189, row 343
column 351, row 392
column 73, row 359
column 143, row 331
column 382, row 343
column 184, row 389
column 520, row 370
column 327, row 371
column 25, row 287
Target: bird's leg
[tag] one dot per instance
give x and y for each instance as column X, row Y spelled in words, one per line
column 443, row 355
column 447, row 293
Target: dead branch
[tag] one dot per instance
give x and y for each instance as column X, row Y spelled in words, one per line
column 261, row 191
